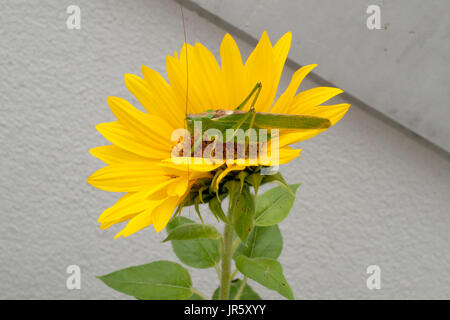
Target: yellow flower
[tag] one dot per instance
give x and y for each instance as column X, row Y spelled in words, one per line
column 138, row 159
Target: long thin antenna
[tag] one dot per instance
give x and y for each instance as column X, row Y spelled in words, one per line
column 187, row 91
column 187, row 64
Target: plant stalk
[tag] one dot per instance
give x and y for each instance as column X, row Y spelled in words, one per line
column 227, row 252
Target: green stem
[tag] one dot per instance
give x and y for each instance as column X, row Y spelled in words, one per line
column 226, row 262
column 241, row 289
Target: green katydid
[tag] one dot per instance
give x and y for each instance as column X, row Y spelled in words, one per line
column 237, row 119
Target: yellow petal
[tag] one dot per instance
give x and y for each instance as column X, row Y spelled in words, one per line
column 233, row 72
column 260, row 67
column 281, row 50
column 144, row 126
column 163, row 213
column 280, row 53
column 178, row 187
column 209, row 78
column 283, row 104
column 120, row 136
column 156, row 96
column 127, row 177
column 132, row 202
column 311, row 98
column 106, row 225
column 121, row 204
column 140, row 221
column 333, row 112
column 112, row 154
column 192, row 165
column 177, row 74
column 282, row 155
column 287, row 154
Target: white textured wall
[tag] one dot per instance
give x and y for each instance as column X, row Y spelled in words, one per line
column 370, row 194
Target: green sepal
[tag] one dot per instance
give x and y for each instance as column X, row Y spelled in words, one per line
column 216, row 208
column 255, row 180
column 241, row 177
column 212, row 185
column 197, row 209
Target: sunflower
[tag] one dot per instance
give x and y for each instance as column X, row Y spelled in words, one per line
column 139, row 159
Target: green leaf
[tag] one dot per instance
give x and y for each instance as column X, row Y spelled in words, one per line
column 243, row 214
column 247, row 294
column 264, row 242
column 197, row 253
column 216, row 209
column 159, row 280
column 190, row 231
column 267, row 272
column 274, row 205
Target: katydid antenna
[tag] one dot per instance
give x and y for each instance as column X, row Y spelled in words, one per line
column 187, row 92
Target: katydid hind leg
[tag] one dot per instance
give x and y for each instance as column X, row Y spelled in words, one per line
column 257, row 87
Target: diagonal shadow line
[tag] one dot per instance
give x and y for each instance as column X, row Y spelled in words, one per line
column 350, row 98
